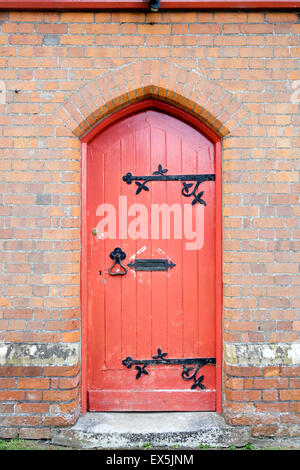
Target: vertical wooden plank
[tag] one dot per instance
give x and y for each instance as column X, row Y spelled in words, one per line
column 206, row 270
column 159, row 278
column 113, row 289
column 143, row 246
column 128, row 245
column 174, row 251
column 189, row 269
column 95, row 249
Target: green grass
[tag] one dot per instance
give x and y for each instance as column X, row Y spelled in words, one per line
column 204, row 446
column 14, row 444
column 22, row 444
column 147, row 445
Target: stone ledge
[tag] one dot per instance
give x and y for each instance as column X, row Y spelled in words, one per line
column 262, row 355
column 161, row 430
column 39, row 354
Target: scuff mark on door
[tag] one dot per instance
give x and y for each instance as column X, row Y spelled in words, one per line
column 141, row 250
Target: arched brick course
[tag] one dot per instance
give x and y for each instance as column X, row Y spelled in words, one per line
column 185, row 88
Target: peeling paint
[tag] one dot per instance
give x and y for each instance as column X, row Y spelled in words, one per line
column 141, row 250
column 159, row 250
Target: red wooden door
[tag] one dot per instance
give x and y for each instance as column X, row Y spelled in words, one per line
column 151, row 334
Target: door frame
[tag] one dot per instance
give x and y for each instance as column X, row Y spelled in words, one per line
column 179, row 113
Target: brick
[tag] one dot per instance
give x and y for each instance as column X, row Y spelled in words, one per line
column 32, row 407
column 63, row 371
column 271, row 371
column 12, row 395
column 245, row 395
column 6, row 408
column 76, row 39
column 290, row 394
column 35, row 433
column 6, row 371
column 295, row 407
column 51, row 28
column 25, row 16
column 69, row 383
column 33, row 383
column 279, row 17
column 58, row 421
column 7, row 383
column 256, row 28
column 270, row 395
column 73, row 17
column 57, row 396
column 205, row 29
column 13, row 421
column 267, row 383
column 154, row 29
column 69, row 407
column 243, row 371
column 259, row 431
column 25, row 39
column 124, row 17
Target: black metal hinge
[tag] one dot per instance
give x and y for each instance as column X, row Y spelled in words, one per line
column 188, row 189
column 188, row 373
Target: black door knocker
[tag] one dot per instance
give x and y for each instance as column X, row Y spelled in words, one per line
column 117, row 256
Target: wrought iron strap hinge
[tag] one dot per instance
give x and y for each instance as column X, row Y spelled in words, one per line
column 188, row 373
column 188, row 189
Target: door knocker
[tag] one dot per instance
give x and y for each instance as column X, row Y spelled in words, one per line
column 117, row 256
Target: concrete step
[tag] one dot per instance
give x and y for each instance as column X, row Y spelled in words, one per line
column 182, row 430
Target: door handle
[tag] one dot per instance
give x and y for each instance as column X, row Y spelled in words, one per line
column 117, row 256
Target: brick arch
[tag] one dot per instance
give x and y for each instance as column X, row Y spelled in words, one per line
column 187, row 89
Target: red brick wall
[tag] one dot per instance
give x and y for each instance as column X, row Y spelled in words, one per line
column 265, row 398
column 34, row 399
column 239, row 72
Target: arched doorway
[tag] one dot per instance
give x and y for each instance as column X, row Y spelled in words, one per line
column 151, row 258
